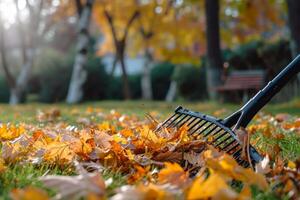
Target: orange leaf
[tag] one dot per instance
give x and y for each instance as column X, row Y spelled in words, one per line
column 28, row 193
column 173, row 174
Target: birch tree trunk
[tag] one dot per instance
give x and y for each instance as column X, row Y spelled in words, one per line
column 18, row 92
column 171, row 95
column 214, row 58
column 146, row 84
column 79, row 74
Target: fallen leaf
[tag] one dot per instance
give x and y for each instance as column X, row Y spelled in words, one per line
column 173, row 174
column 28, row 193
column 263, row 166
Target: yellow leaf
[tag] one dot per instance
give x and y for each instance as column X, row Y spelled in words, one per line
column 10, row 132
column 227, row 166
column 173, row 174
column 291, row 165
column 29, row 193
column 2, row 166
column 203, row 189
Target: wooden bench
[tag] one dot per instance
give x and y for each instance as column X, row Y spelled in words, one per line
column 243, row 80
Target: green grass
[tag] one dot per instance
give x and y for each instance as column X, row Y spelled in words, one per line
column 26, row 113
column 19, row 175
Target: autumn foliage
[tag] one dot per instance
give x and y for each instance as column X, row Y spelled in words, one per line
column 156, row 165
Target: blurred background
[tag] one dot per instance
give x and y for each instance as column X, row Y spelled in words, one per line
column 90, row 50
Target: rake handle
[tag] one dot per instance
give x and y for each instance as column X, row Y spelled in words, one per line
column 249, row 110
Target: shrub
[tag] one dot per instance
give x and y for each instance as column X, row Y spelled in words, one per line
column 161, row 75
column 191, row 82
column 96, row 86
column 115, row 90
column 260, row 55
column 4, row 90
column 55, row 72
column 245, row 56
column 135, row 86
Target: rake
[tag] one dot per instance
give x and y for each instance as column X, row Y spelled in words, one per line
column 221, row 133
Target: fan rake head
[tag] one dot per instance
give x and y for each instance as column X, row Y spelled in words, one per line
column 213, row 131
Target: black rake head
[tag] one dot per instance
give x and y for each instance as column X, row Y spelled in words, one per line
column 213, row 131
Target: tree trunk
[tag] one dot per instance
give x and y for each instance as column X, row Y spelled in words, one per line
column 114, row 66
column 126, row 88
column 171, row 95
column 18, row 92
column 146, row 84
column 79, row 74
column 214, row 58
column 293, row 18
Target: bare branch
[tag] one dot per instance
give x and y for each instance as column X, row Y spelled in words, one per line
column 111, row 25
column 79, row 7
column 9, row 78
column 134, row 16
column 21, row 32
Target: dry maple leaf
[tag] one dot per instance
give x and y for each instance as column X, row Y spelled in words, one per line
column 142, row 192
column 2, row 166
column 10, row 132
column 49, row 116
column 75, row 187
column 204, row 189
column 227, row 166
column 28, row 193
column 173, row 174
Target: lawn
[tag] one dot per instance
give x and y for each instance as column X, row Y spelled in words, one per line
column 41, row 140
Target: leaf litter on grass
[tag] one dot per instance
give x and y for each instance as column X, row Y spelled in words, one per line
column 155, row 165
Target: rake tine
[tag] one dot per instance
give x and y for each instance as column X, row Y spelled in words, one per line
column 215, row 133
column 164, row 123
column 178, row 122
column 240, row 162
column 173, row 120
column 247, row 164
column 206, row 128
column 200, row 126
column 217, row 145
column 220, row 136
column 192, row 121
column 237, row 152
column 209, row 132
column 196, row 124
column 227, row 145
column 235, row 146
column 185, row 121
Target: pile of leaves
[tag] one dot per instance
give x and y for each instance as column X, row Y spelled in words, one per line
column 155, row 165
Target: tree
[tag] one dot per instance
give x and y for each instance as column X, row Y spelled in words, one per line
column 169, row 32
column 149, row 26
column 115, row 25
column 79, row 74
column 29, row 37
column 293, row 17
column 244, row 21
column 214, row 58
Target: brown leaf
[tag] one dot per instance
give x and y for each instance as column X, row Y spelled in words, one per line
column 73, row 187
column 28, row 193
column 281, row 117
column 173, row 174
